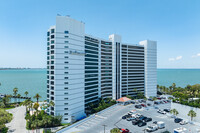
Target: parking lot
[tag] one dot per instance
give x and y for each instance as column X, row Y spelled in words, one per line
column 170, row 125
column 112, row 118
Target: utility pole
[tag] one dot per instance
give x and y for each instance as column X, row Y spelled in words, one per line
column 104, row 128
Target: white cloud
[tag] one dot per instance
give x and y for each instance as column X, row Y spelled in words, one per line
column 176, row 58
column 197, row 55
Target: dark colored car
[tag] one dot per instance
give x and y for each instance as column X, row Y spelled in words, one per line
column 141, row 124
column 138, row 106
column 132, row 102
column 124, row 117
column 155, row 122
column 177, row 120
column 136, row 122
column 166, row 110
column 148, row 119
column 156, row 103
column 150, row 99
column 148, row 104
column 142, row 117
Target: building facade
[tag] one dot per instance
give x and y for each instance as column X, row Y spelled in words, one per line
column 82, row 68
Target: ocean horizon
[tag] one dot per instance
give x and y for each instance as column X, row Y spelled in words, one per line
column 34, row 80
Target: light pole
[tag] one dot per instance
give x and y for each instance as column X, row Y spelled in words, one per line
column 104, row 128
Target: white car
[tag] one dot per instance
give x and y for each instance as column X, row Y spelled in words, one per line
column 152, row 128
column 183, row 122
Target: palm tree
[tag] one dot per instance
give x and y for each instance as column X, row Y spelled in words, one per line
column 174, row 86
column 26, row 103
column 15, row 90
column 37, row 96
column 51, row 104
column 174, row 112
column 6, row 100
column 26, row 93
column 18, row 95
column 192, row 114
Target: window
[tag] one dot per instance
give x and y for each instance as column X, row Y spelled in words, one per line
column 52, row 30
column 66, row 62
column 66, row 93
column 52, row 41
column 66, row 77
column 52, row 72
column 66, row 98
column 66, row 57
column 66, row 114
column 48, row 33
column 52, row 46
column 66, row 36
column 66, row 119
column 66, row 47
column 66, row 72
column 66, row 32
column 48, row 39
column 66, row 88
column 52, row 36
column 66, row 41
column 47, row 43
column 52, row 67
column 66, row 67
column 66, row 51
column 52, row 62
column 66, row 108
column 66, row 82
column 66, row 103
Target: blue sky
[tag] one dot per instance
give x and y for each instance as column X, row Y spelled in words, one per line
column 174, row 24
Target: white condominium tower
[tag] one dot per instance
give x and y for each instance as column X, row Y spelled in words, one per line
column 82, row 68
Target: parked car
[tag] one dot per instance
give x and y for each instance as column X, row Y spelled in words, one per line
column 183, row 122
column 156, row 102
column 138, row 106
column 158, row 98
column 124, row 117
column 152, row 128
column 148, row 104
column 136, row 122
column 166, row 110
column 160, row 124
column 141, row 124
column 155, row 122
column 177, row 120
column 142, row 117
column 148, row 119
column 161, row 112
column 132, row 102
column 150, row 99
column 131, row 118
column 143, row 105
column 124, row 130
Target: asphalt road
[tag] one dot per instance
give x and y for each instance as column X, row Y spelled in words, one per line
column 18, row 124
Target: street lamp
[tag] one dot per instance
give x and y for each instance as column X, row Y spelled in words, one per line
column 104, row 128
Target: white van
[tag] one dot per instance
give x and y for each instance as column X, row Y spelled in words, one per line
column 161, row 124
column 152, row 128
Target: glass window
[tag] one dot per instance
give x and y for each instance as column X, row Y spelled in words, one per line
column 52, row 41
column 52, row 30
column 48, row 33
column 66, row 32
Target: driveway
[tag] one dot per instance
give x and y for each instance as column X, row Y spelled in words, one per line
column 18, row 124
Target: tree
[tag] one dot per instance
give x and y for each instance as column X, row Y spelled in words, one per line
column 18, row 95
column 192, row 114
column 15, row 90
column 37, row 96
column 6, row 100
column 115, row 130
column 174, row 112
column 26, row 93
column 26, row 103
column 36, row 106
column 51, row 104
column 5, row 117
column 174, row 86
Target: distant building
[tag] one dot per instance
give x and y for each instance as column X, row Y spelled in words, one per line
column 82, row 68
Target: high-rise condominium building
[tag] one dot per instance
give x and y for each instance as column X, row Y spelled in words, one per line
column 82, row 68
